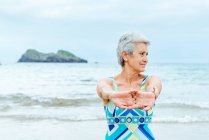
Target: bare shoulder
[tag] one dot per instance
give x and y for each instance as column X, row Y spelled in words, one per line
column 153, row 78
column 105, row 81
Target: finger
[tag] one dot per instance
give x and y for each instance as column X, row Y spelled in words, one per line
column 140, row 106
column 121, row 94
column 140, row 93
column 129, row 103
column 147, row 108
column 123, row 106
column 132, row 91
column 132, row 106
column 145, row 105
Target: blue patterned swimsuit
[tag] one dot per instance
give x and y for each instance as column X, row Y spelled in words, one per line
column 128, row 124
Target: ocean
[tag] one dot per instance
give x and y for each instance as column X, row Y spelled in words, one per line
column 63, row 92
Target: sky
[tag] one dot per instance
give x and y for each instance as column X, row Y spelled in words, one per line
column 177, row 29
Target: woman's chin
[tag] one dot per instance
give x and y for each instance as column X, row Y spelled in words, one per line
column 141, row 69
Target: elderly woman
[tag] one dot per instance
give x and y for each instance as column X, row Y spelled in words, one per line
column 129, row 96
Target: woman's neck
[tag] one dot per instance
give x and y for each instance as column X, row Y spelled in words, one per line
column 129, row 75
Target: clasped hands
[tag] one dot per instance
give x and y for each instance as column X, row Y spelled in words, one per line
column 134, row 99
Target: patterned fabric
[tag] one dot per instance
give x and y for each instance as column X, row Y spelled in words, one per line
column 124, row 124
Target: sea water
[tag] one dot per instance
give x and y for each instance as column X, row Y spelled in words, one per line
column 67, row 92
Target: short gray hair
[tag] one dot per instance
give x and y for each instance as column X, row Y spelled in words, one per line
column 127, row 43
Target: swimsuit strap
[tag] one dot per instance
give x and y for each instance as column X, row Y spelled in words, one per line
column 144, row 80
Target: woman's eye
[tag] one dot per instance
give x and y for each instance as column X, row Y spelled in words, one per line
column 143, row 53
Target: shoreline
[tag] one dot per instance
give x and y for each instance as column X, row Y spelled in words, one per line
column 92, row 130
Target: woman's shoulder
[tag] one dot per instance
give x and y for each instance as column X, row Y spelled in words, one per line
column 106, row 80
column 152, row 78
column 110, row 79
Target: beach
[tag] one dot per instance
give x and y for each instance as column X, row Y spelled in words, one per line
column 93, row 130
column 59, row 101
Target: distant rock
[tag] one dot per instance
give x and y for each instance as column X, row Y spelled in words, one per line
column 61, row 56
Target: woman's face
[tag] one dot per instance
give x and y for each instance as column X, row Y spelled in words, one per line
column 139, row 58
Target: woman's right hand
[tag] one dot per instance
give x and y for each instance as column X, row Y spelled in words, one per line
column 123, row 99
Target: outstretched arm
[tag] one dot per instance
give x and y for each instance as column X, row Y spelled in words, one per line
column 104, row 89
column 121, row 99
column 154, row 85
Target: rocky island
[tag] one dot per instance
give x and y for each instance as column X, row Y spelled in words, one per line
column 61, row 56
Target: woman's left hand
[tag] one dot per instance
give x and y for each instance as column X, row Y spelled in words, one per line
column 148, row 99
column 143, row 100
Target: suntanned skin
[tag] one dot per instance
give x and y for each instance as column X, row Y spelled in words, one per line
column 128, row 81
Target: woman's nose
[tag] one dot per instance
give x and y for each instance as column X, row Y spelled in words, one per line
column 145, row 59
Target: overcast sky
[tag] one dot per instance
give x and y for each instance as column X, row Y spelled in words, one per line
column 177, row 29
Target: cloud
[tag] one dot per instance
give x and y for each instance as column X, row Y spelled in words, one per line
column 114, row 10
column 41, row 24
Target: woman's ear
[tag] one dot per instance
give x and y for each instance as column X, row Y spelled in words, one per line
column 124, row 56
